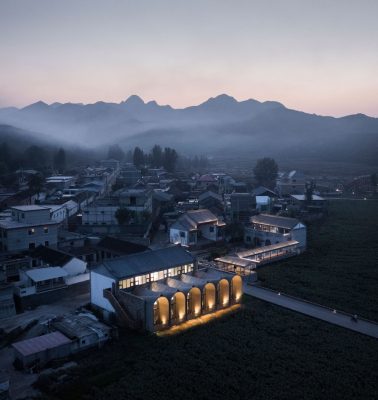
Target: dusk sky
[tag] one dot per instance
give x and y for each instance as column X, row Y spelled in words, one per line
column 317, row 56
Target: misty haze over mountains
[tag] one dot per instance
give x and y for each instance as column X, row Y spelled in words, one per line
column 218, row 125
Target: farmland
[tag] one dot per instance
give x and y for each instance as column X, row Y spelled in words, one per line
column 340, row 268
column 260, row 352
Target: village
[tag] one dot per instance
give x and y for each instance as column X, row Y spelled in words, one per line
column 122, row 245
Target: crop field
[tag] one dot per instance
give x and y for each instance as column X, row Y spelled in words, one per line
column 259, row 352
column 340, row 268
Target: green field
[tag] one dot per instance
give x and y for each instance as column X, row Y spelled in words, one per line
column 340, row 268
column 260, row 352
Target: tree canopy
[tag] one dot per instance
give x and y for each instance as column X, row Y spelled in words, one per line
column 266, row 171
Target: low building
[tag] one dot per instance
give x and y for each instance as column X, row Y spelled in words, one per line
column 83, row 331
column 38, row 351
column 158, row 289
column 195, row 225
column 30, row 227
column 265, row 229
column 101, row 212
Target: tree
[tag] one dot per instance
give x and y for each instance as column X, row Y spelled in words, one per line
column 35, row 157
column 123, row 216
column 169, row 159
column 373, row 180
column 138, row 157
column 35, row 183
column 266, row 171
column 5, row 157
column 116, row 153
column 59, row 160
column 157, row 156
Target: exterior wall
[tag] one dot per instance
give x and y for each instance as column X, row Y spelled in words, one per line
column 59, row 215
column 98, row 283
column 175, row 236
column 134, row 305
column 75, row 267
column 300, row 235
column 103, row 215
column 27, row 297
column 19, row 239
column 264, row 236
column 31, row 217
column 45, row 356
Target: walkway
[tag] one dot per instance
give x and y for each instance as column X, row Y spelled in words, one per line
column 340, row 318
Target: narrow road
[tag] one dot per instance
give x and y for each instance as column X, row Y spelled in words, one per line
column 313, row 310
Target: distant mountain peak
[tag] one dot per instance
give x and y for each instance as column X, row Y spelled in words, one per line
column 39, row 105
column 134, row 100
column 221, row 99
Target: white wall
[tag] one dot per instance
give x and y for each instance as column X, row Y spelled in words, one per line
column 98, row 284
column 75, row 267
column 299, row 233
column 174, row 237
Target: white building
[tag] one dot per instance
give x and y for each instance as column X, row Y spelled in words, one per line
column 29, row 227
column 194, row 225
column 265, row 230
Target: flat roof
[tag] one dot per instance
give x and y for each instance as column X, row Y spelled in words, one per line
column 42, row 274
column 6, row 224
column 264, row 249
column 41, row 343
column 32, row 207
column 240, row 262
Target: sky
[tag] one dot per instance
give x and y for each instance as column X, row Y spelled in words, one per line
column 319, row 56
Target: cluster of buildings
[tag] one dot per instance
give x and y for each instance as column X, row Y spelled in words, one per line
column 134, row 243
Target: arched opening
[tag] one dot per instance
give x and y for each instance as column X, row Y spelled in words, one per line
column 236, row 288
column 223, row 293
column 194, row 302
column 161, row 311
column 178, row 307
column 209, row 297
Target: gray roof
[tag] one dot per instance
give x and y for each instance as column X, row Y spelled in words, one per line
column 261, row 190
column 42, row 274
column 260, row 250
column 275, row 220
column 143, row 263
column 41, row 343
column 33, row 207
column 209, row 193
column 192, row 218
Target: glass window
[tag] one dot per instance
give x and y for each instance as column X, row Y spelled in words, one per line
column 31, row 231
column 45, row 230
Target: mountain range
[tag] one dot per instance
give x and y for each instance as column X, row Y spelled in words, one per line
column 218, row 125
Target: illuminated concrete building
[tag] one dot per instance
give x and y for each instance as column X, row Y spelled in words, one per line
column 155, row 290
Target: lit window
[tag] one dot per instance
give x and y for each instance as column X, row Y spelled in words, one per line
column 31, row 231
column 45, row 230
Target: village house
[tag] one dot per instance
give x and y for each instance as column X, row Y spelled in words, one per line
column 195, row 226
column 29, row 227
column 265, row 229
column 157, row 289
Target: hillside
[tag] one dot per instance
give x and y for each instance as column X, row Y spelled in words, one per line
column 222, row 123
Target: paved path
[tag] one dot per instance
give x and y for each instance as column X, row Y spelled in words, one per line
column 314, row 310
